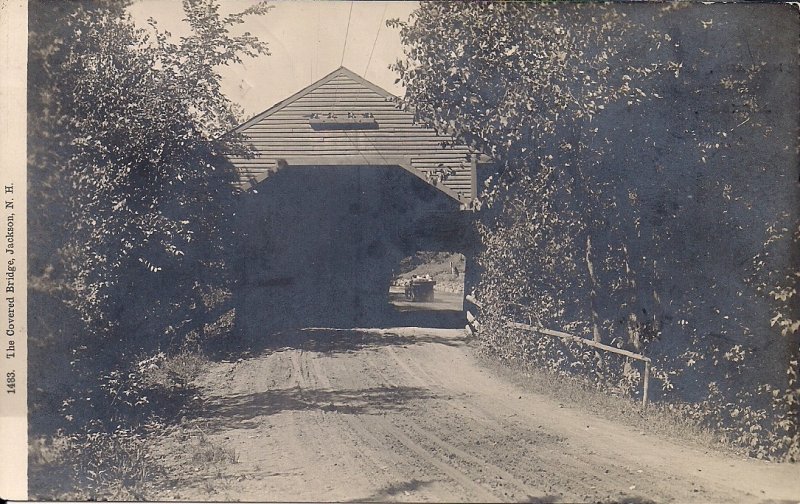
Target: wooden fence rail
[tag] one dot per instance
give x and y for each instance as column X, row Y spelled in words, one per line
column 474, row 325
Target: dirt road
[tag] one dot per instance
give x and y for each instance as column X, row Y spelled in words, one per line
column 411, row 415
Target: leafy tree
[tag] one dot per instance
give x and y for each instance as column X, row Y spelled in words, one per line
column 524, row 84
column 130, row 197
column 137, row 142
column 635, row 147
column 50, row 32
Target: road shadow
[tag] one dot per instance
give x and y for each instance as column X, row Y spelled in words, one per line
column 634, row 499
column 238, row 411
column 329, row 340
column 411, row 316
column 391, row 491
column 545, row 499
column 332, row 341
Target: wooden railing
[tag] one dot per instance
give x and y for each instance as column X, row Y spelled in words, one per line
column 474, row 325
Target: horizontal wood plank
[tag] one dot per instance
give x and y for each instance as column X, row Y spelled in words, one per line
column 578, row 339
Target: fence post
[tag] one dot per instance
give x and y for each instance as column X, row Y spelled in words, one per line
column 646, row 383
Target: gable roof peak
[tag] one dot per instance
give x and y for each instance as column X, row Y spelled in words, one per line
column 346, row 71
column 342, row 70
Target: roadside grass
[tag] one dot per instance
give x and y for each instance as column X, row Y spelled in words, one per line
column 92, row 465
column 198, row 462
column 204, row 451
column 176, row 371
column 48, row 476
column 572, row 391
column 97, row 422
column 112, row 458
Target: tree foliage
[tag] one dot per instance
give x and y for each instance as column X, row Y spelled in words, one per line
column 525, row 85
column 507, row 77
column 141, row 124
column 635, row 149
column 130, row 201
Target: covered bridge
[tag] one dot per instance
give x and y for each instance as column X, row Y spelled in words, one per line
column 344, row 184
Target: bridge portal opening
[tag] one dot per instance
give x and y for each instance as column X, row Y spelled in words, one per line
column 427, row 288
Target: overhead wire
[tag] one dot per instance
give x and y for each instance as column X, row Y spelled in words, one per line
column 366, row 137
column 336, row 99
column 344, row 49
column 315, row 59
column 374, row 42
column 346, row 33
column 366, row 69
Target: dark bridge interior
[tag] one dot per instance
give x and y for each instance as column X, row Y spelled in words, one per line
column 320, row 244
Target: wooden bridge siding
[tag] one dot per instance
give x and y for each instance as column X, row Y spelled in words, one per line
column 286, row 133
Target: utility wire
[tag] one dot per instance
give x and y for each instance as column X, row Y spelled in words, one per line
column 374, row 42
column 346, row 33
column 315, row 60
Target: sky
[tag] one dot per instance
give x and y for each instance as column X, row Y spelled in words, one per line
column 306, row 40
